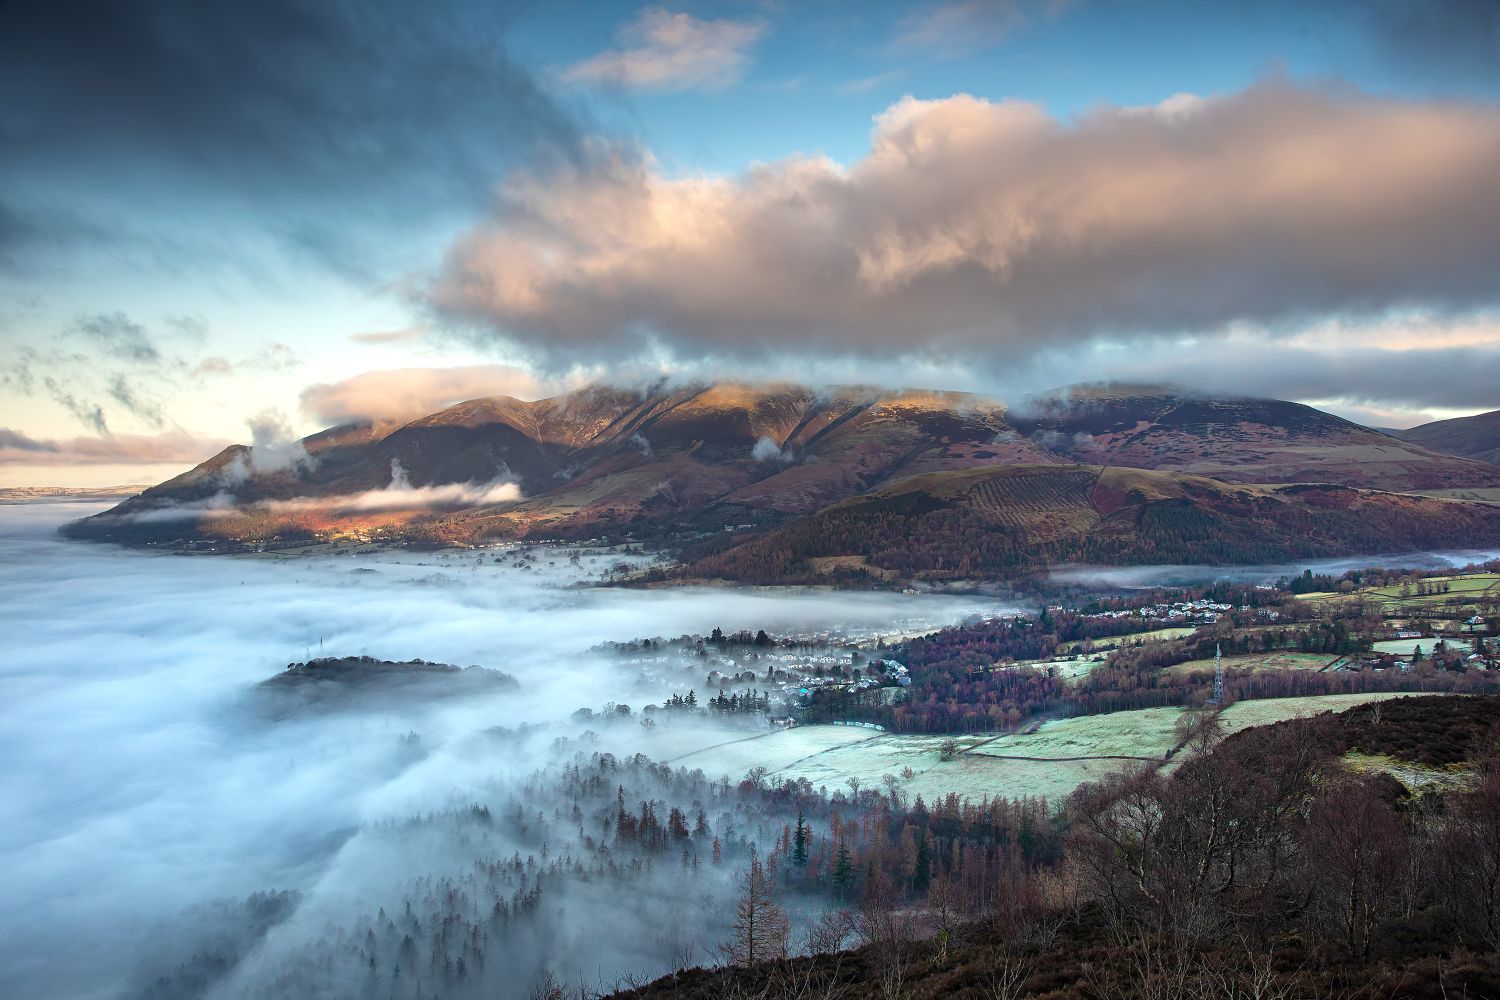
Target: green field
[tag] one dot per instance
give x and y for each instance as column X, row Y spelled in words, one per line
column 1468, row 586
column 1068, row 669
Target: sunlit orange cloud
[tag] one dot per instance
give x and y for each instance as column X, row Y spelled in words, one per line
column 1401, row 334
column 993, row 227
column 399, row 394
column 19, row 448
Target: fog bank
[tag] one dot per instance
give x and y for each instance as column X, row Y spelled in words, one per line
column 1144, row 577
column 141, row 786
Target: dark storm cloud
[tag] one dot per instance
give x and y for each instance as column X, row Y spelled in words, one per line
column 279, row 104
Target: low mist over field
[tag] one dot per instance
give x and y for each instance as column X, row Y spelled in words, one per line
column 1141, row 577
column 144, row 780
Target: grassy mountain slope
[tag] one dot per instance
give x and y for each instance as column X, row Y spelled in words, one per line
column 1476, row 437
column 1245, row 440
column 676, row 462
column 970, row 523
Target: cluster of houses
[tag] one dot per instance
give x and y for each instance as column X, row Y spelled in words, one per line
column 1199, row 612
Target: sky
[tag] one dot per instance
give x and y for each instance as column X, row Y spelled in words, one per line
column 223, row 221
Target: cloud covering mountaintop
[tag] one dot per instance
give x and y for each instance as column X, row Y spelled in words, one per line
column 993, row 226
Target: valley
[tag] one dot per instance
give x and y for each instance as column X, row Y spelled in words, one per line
column 673, row 735
column 437, row 687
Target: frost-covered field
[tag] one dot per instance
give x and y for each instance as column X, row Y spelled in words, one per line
column 719, row 754
column 828, row 756
column 1403, row 647
column 1244, row 714
column 1144, row 733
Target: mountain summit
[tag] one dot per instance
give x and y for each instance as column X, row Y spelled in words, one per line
column 668, row 463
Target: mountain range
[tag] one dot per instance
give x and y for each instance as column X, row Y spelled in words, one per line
column 777, row 482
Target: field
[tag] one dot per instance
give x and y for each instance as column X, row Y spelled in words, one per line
column 1053, row 760
column 1483, row 494
column 1244, row 714
column 1260, row 662
column 692, row 746
column 1069, row 669
column 1404, row 647
column 1155, row 635
column 1144, row 733
column 1460, row 588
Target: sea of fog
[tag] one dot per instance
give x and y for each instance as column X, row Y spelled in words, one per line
column 145, row 792
column 1144, row 577
column 139, row 783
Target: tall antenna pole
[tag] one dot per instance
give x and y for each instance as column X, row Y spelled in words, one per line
column 1218, row 698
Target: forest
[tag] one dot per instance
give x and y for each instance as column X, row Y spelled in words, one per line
column 919, row 535
column 592, row 832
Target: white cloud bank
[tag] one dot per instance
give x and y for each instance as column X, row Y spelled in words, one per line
column 992, row 229
column 400, row 494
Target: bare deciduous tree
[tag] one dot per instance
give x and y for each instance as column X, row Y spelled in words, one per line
column 761, row 926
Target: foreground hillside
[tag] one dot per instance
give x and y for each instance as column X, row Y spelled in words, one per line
column 675, row 464
column 1271, row 863
column 955, row 525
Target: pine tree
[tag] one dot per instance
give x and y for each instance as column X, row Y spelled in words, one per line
column 843, row 871
column 799, row 842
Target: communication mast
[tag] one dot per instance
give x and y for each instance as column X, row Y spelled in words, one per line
column 1218, row 698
